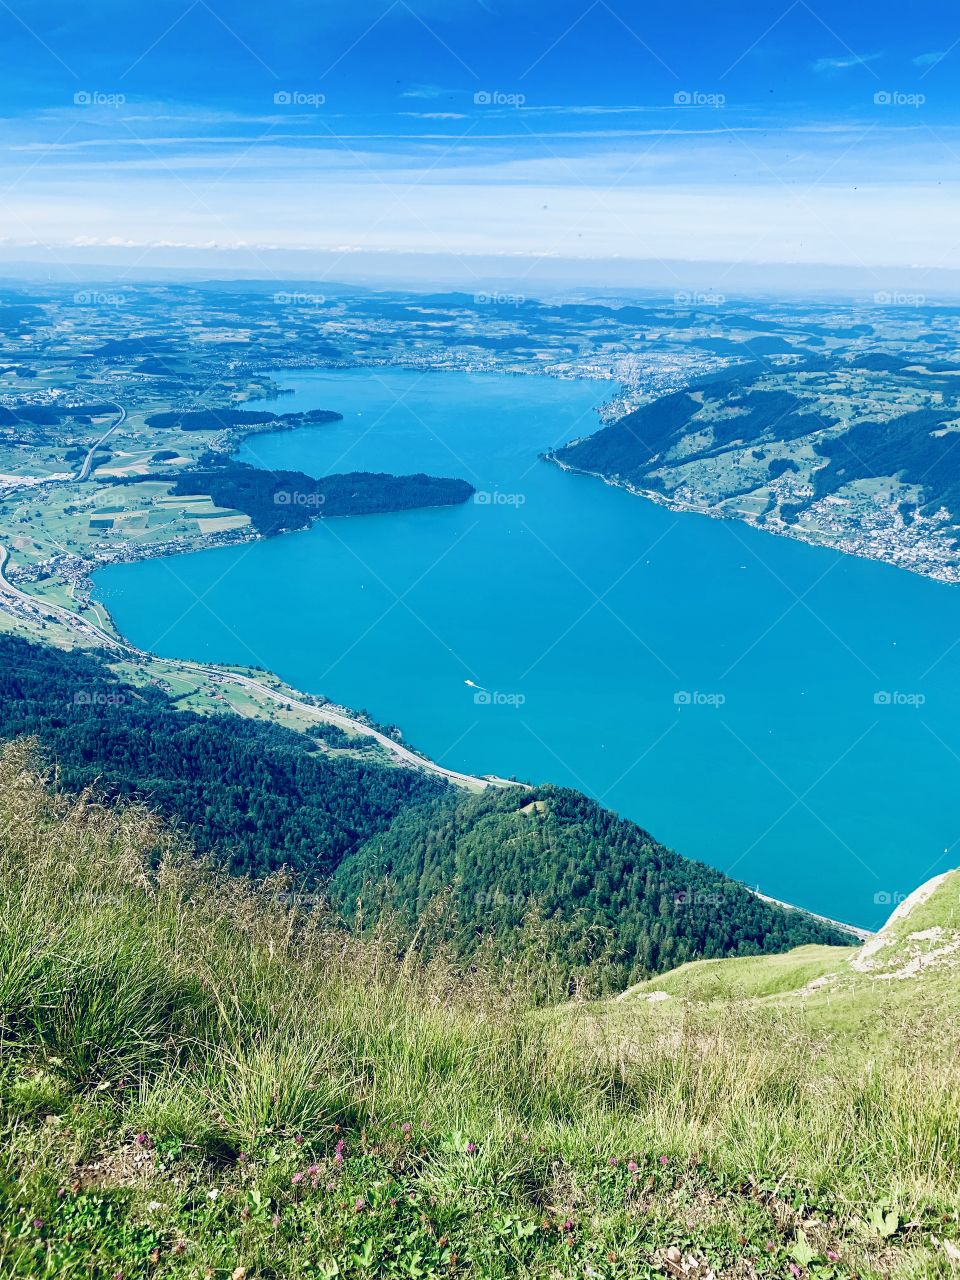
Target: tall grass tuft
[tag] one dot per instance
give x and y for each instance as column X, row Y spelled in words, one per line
column 179, row 1038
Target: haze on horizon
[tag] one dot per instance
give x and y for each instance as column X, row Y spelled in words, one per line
column 563, row 143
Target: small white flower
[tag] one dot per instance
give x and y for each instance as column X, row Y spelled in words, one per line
column 213, row 1193
column 153, row 1206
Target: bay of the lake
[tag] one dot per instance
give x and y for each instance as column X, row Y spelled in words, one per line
column 784, row 712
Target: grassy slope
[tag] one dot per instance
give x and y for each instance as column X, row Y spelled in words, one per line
column 748, row 977
column 182, row 1058
column 832, row 983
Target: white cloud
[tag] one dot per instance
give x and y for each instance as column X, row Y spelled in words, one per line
column 747, row 222
column 929, row 59
column 845, row 62
column 842, row 191
column 428, row 91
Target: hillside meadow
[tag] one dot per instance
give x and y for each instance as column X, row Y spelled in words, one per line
column 201, row 1078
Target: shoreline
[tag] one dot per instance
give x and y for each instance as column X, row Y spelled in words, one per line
column 227, row 444
column 777, row 529
column 328, row 712
column 855, row 930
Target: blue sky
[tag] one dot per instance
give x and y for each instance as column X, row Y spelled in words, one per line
column 746, row 133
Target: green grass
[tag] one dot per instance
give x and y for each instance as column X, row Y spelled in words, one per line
column 200, row 1080
column 747, row 977
column 941, row 909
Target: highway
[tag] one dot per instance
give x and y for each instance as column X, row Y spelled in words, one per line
column 88, row 460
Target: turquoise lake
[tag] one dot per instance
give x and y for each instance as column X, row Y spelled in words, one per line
column 786, row 713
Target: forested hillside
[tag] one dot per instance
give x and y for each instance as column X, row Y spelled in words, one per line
column 609, row 895
column 261, row 797
column 739, row 431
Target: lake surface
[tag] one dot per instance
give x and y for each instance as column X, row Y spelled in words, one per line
column 786, row 713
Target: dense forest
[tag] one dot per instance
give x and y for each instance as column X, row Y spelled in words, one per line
column 638, row 443
column 262, row 797
column 609, row 894
column 43, row 415
column 221, row 419
column 280, row 500
column 631, row 444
